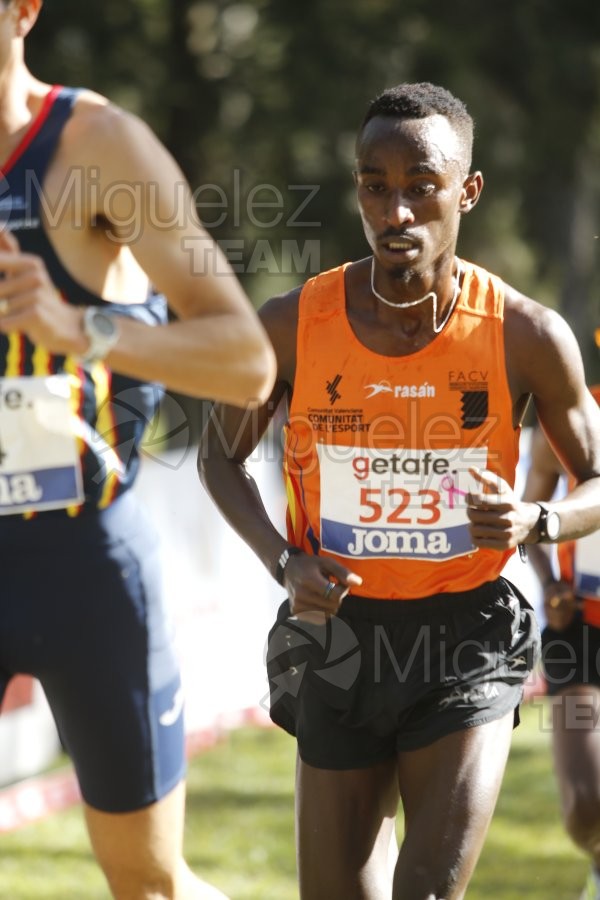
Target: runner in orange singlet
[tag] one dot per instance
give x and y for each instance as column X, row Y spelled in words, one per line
column 399, row 658
column 571, row 658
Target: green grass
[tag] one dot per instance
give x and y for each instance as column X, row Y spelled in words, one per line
column 239, row 830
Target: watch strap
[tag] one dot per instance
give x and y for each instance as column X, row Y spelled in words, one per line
column 283, row 561
column 541, row 522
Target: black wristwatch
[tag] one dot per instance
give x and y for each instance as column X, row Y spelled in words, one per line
column 283, row 561
column 548, row 524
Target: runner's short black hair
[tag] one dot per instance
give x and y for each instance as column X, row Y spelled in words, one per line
column 420, row 100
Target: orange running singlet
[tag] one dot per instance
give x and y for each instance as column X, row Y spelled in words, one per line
column 579, row 563
column 377, row 448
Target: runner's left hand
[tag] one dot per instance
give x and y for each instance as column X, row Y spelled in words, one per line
column 498, row 519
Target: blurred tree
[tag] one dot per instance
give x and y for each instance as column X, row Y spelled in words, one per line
column 260, row 100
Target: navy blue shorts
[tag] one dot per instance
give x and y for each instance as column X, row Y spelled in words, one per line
column 387, row 676
column 81, row 609
column 572, row 656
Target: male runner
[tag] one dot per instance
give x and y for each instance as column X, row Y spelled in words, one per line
column 406, row 376
column 83, row 333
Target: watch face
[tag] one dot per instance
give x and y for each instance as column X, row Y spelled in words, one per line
column 553, row 525
column 103, row 324
column 102, row 331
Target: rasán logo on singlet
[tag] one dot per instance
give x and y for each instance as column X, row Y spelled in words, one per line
column 400, row 390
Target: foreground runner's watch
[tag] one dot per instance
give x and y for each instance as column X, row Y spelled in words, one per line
column 548, row 524
column 102, row 332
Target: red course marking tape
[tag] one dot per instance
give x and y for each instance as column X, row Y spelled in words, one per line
column 36, row 798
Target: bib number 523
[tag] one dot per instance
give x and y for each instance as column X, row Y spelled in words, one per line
column 392, row 504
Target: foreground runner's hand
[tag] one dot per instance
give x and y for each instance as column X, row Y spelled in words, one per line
column 30, row 304
column 498, row 519
column 316, row 585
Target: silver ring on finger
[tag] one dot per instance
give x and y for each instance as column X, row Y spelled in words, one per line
column 329, row 589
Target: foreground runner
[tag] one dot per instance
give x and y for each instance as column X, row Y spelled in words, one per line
column 407, row 375
column 86, row 191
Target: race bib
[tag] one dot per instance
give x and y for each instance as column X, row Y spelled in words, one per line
column 39, row 462
column 587, row 566
column 407, row 504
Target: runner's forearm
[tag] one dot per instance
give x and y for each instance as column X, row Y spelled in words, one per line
column 235, row 493
column 224, row 357
column 541, row 562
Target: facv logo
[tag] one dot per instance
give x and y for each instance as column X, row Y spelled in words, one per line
column 400, row 390
column 474, row 408
column 332, row 389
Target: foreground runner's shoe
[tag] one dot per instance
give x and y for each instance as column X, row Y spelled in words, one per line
column 591, row 890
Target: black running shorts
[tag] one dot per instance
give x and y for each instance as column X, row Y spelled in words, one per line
column 572, row 656
column 386, row 676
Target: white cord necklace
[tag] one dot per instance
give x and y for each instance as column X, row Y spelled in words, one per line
column 408, row 303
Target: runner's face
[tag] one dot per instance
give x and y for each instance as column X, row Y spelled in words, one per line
column 410, row 175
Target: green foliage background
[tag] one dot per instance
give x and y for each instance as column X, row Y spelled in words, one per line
column 274, row 92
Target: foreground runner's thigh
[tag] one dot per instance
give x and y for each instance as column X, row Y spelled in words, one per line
column 90, row 624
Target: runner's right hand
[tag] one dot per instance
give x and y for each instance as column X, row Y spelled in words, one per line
column 308, row 581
